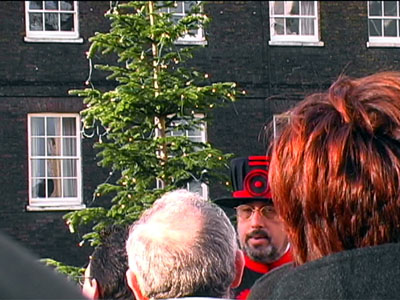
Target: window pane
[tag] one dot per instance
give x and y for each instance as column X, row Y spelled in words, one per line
column 194, row 132
column 195, row 187
column 38, row 188
column 38, row 167
column 375, row 27
column 54, row 168
column 69, row 147
column 177, row 8
column 67, row 5
column 53, row 126
column 37, row 126
column 279, row 26
column 67, row 22
column 390, row 8
column 175, row 19
column 69, row 168
column 35, row 22
column 292, row 7
column 176, row 132
column 375, row 8
column 188, row 5
column 51, row 22
column 70, row 188
column 35, row 4
column 34, row 191
column 38, row 147
column 307, row 26
column 307, row 8
column 53, row 146
column 69, row 127
column 278, row 8
column 193, row 32
column 292, row 26
column 54, row 187
column 390, row 28
column 195, row 139
column 161, row 6
column 51, row 5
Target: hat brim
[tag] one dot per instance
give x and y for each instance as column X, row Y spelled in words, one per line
column 230, row 202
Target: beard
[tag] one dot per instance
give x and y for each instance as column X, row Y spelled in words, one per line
column 263, row 254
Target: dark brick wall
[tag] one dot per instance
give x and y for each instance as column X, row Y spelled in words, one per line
column 276, row 77
column 35, row 77
column 45, row 233
column 236, row 52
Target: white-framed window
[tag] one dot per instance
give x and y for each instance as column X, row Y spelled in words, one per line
column 52, row 21
column 196, row 135
column 383, row 24
column 294, row 23
column 54, row 147
column 180, row 10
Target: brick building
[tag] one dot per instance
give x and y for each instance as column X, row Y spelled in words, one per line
column 277, row 51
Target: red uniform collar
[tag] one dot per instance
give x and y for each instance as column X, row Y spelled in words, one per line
column 264, row 268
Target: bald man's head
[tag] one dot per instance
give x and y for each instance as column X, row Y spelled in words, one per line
column 182, row 246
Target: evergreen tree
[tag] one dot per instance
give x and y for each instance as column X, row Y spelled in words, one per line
column 156, row 93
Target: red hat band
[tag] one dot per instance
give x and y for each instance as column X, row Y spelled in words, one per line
column 255, row 185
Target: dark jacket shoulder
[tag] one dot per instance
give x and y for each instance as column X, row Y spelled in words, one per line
column 365, row 273
column 22, row 276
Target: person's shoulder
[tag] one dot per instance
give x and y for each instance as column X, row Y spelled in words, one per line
column 196, row 298
column 362, row 269
column 21, row 268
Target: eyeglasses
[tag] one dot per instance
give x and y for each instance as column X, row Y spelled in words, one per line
column 246, row 211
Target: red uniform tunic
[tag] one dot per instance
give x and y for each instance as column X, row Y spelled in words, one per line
column 254, row 270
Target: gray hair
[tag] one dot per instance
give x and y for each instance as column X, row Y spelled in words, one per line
column 183, row 246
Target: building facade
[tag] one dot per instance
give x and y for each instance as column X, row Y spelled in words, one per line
column 277, row 51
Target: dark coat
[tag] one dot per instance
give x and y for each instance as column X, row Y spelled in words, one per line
column 23, row 277
column 364, row 273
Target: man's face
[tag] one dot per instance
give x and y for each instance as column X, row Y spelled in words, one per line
column 261, row 234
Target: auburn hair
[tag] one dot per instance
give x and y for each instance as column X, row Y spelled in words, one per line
column 335, row 168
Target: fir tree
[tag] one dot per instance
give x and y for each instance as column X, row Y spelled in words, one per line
column 156, row 93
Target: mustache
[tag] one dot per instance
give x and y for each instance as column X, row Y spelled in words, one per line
column 259, row 233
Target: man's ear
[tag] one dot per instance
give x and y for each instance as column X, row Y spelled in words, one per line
column 91, row 290
column 133, row 284
column 239, row 268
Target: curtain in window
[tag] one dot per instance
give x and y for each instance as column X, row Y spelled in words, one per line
column 289, row 5
column 54, row 166
column 307, row 24
column 69, row 165
column 38, row 166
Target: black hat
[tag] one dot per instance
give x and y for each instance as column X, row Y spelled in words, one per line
column 249, row 177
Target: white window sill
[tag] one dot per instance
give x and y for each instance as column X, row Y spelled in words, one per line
column 191, row 42
column 55, row 208
column 383, row 44
column 53, row 40
column 294, row 43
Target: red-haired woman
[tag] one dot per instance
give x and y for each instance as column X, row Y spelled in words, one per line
column 335, row 179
